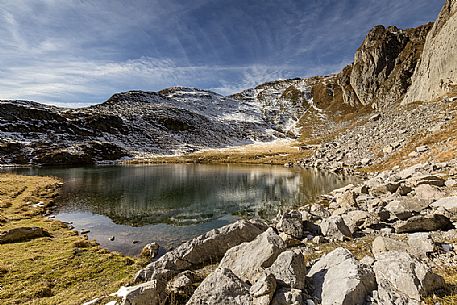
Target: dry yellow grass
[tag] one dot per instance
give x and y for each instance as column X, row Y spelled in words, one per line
column 278, row 152
column 62, row 269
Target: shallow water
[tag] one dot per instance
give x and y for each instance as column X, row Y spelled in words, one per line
column 172, row 203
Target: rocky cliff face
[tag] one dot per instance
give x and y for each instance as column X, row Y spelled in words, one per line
column 383, row 66
column 436, row 75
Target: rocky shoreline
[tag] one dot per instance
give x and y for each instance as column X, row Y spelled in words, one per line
column 401, row 222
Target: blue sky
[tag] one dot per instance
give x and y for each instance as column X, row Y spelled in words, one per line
column 79, row 52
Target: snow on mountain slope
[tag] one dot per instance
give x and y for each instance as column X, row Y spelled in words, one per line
column 133, row 123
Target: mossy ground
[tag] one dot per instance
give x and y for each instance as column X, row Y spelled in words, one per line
column 62, row 269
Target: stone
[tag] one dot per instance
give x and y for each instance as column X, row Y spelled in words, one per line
column 405, row 208
column 420, row 245
column 448, row 203
column 319, row 240
column 450, row 182
column 290, row 241
column 150, row 250
column 183, row 283
column 262, row 291
column 387, row 150
column 355, row 219
column 319, row 211
column 248, row 260
column 289, row 270
column 385, row 244
column 338, row 279
column 335, row 227
column 151, row 292
column 209, row 247
column 404, row 190
column 286, row 296
column 409, row 171
column 291, row 223
column 425, row 223
column 428, row 192
column 22, row 234
column 221, row 287
column 346, row 200
column 426, row 179
column 414, row 282
column 367, row 261
column 421, row 149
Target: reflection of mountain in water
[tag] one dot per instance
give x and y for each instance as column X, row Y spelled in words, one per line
column 182, row 193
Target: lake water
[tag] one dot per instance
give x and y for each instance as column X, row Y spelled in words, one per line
column 172, row 203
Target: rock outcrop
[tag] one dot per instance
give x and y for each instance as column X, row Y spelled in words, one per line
column 436, row 74
column 383, row 65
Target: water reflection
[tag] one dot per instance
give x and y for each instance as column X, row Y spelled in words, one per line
column 171, row 203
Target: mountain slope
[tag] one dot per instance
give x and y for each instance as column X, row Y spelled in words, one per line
column 132, row 123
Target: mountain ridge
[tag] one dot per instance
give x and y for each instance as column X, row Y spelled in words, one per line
column 387, row 70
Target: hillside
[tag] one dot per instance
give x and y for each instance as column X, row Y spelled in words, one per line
column 357, row 114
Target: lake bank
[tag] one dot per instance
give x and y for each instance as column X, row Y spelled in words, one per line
column 61, row 267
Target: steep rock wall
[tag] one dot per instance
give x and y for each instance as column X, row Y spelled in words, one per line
column 436, row 75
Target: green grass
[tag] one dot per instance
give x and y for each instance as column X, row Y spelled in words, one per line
column 62, row 269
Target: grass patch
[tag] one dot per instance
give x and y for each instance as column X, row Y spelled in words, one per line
column 276, row 153
column 62, row 269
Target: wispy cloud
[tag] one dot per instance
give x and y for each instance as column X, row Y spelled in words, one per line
column 79, row 52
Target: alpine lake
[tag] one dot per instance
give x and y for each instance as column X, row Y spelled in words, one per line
column 126, row 207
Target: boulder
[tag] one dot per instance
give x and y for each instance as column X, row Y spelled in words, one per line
column 404, row 190
column 22, row 234
column 319, row 211
column 289, row 270
column 410, row 171
column 404, row 208
column 426, row 179
column 428, row 192
column 221, row 287
column 151, row 292
column 338, row 279
column 208, row 247
column 286, row 296
column 262, row 291
column 335, row 227
column 291, row 223
column 183, row 283
column 355, row 219
column 425, row 223
column 248, row 260
column 448, row 203
column 384, row 244
column 420, row 245
column 346, row 200
column 414, row 282
column 150, row 250
column 450, row 182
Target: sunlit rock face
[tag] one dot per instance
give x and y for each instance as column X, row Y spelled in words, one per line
column 436, row 74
